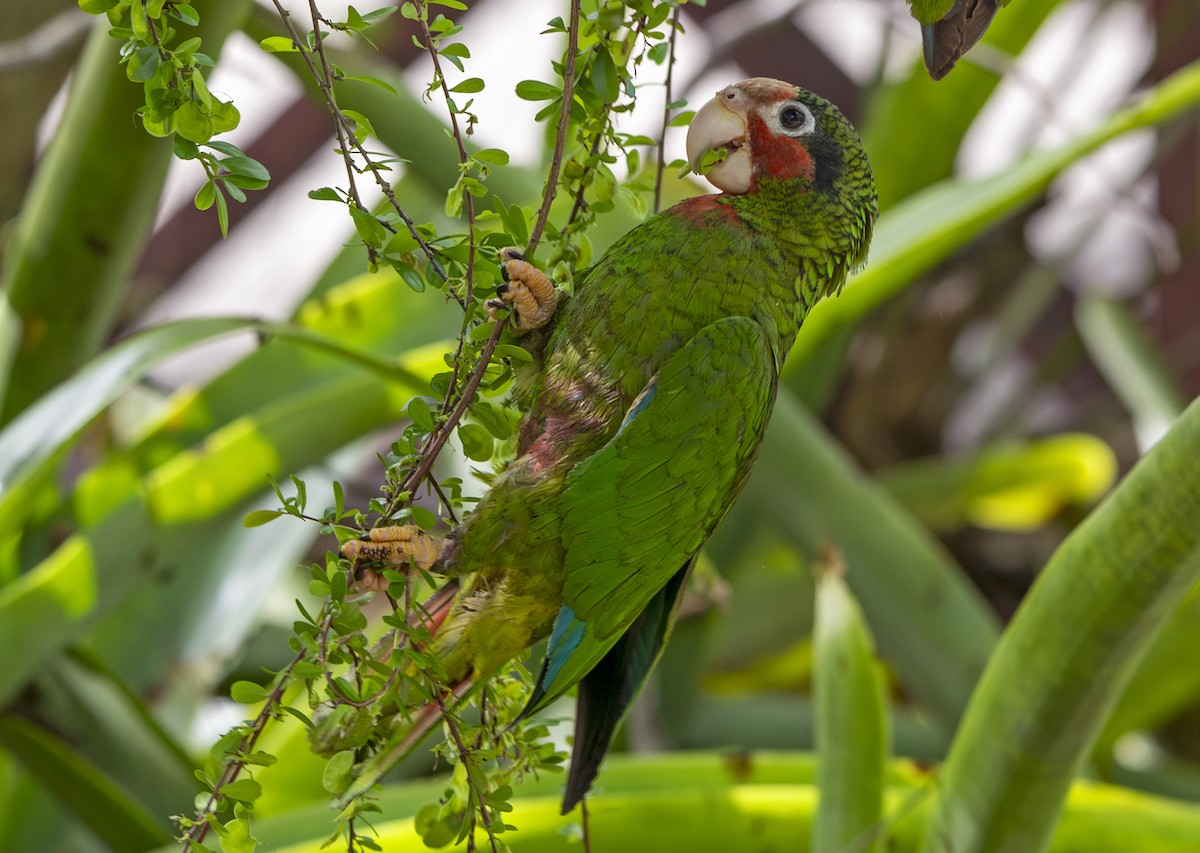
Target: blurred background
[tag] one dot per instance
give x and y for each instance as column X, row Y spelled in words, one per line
column 1022, row 337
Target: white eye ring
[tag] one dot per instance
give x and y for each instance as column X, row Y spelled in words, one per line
column 794, row 119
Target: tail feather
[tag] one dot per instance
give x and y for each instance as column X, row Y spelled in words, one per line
column 606, row 692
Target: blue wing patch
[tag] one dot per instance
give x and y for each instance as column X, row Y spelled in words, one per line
column 639, row 405
column 564, row 639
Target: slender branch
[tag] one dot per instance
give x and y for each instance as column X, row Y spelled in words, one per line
column 452, row 725
column 560, row 139
column 439, row 437
column 196, row 833
column 342, row 123
column 468, row 198
column 666, row 121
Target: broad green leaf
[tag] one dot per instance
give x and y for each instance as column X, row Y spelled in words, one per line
column 90, row 795
column 810, row 488
column 33, row 444
column 103, row 170
column 1007, row 487
column 671, row 802
column 1107, row 589
column 852, row 724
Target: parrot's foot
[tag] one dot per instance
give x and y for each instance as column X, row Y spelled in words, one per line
column 527, row 289
column 400, row 546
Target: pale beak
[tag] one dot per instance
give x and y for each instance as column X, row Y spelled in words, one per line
column 717, row 126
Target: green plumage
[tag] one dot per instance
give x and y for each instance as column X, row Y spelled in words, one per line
column 645, row 415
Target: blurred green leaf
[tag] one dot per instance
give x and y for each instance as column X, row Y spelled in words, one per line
column 1108, row 588
column 1005, row 487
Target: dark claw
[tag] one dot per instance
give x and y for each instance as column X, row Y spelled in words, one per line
column 513, row 255
column 502, row 289
column 503, row 273
column 496, row 303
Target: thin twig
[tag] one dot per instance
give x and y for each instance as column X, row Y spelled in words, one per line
column 439, row 437
column 666, row 122
column 452, row 725
column 560, row 139
column 196, row 833
column 341, row 123
column 468, row 198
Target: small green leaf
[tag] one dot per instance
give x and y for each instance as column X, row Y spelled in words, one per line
column 422, row 517
column 514, row 353
column 143, row 64
column 225, row 116
column 247, row 166
column 223, row 214
column 242, row 790
column 471, row 84
column 248, row 693
column 495, row 156
column 369, row 228
column 278, row 44
column 362, row 125
column 374, row 81
column 493, row 418
column 98, row 7
column 379, row 14
column 605, row 82
column 259, row 517
column 185, row 13
column 412, row 277
column 324, row 194
column 206, row 195
column 420, row 414
column 235, row 835
column 137, row 21
column 477, row 442
column 683, row 119
column 435, row 829
column 193, row 123
column 536, row 90
column 336, row 777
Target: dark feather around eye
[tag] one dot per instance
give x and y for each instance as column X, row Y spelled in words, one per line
column 792, row 117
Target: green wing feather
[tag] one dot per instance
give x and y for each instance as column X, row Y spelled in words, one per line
column 635, row 512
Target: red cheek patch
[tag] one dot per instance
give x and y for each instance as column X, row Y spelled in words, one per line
column 779, row 157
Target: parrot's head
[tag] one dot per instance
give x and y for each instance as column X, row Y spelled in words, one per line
column 788, row 151
column 771, row 130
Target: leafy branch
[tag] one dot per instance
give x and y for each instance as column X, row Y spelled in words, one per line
column 178, row 102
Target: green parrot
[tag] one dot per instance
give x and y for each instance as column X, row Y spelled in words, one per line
column 643, row 417
column 949, row 28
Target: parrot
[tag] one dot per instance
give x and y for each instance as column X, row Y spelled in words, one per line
column 642, row 418
column 949, row 28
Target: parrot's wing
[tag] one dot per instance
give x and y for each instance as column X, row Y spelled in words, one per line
column 638, row 510
column 608, row 689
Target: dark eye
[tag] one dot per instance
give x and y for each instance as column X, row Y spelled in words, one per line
column 792, row 117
